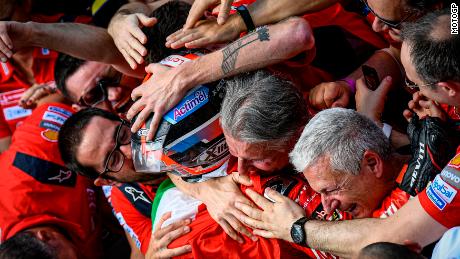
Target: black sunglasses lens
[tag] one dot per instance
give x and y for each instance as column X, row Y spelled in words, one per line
column 95, row 95
column 391, row 24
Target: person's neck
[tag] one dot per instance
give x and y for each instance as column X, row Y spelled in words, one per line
column 394, row 165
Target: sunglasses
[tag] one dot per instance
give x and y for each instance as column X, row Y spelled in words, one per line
column 389, row 23
column 97, row 94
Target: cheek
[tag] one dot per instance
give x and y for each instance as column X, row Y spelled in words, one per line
column 127, row 172
column 267, row 165
column 272, row 164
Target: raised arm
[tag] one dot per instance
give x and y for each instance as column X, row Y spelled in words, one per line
column 80, row 40
column 268, row 45
column 342, row 238
column 347, row 238
column 262, row 12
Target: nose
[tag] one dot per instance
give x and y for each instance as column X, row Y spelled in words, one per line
column 105, row 105
column 114, row 93
column 378, row 26
column 243, row 165
column 126, row 150
column 329, row 203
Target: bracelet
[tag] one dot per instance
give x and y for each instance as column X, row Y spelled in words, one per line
column 387, row 130
column 351, row 84
column 246, row 16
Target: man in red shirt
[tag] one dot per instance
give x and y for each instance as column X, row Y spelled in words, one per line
column 43, row 203
column 19, row 70
column 425, row 218
column 250, row 158
column 26, row 67
column 336, row 191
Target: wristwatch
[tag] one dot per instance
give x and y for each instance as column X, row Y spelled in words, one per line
column 298, row 231
column 246, row 16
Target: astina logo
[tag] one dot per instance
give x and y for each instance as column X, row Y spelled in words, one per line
column 188, row 105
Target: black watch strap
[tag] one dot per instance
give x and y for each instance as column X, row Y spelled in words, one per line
column 298, row 234
column 244, row 13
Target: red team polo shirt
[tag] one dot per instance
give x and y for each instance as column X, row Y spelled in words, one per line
column 132, row 204
column 36, row 187
column 208, row 239
column 13, row 85
column 441, row 199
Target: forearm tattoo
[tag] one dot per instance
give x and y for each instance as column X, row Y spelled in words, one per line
column 231, row 51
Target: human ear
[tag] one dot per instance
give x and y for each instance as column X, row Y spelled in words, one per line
column 373, row 163
column 450, row 88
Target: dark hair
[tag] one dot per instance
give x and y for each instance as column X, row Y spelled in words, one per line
column 434, row 51
column 65, row 66
column 426, row 6
column 171, row 18
column 24, row 245
column 260, row 107
column 70, row 137
column 386, row 250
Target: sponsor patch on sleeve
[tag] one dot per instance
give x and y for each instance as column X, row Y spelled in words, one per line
column 54, row 117
column 443, row 189
column 16, row 112
column 455, row 162
column 49, row 125
column 60, row 110
column 434, row 198
column 50, row 135
column 451, row 176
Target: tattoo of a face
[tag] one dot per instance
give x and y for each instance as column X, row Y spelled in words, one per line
column 230, row 52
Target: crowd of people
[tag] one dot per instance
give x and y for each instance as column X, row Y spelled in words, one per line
column 230, row 128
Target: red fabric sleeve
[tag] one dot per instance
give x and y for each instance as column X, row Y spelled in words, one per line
column 441, row 199
column 138, row 226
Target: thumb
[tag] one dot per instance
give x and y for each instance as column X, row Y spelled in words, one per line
column 426, row 104
column 224, row 11
column 151, row 68
column 243, row 179
column 385, row 85
column 407, row 115
column 147, row 21
column 342, row 101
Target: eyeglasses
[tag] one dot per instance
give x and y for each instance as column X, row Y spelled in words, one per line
column 116, row 158
column 389, row 23
column 98, row 93
column 414, row 86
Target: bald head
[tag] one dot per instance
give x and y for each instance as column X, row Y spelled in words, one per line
column 441, row 29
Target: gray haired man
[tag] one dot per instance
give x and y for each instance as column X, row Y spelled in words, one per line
column 262, row 117
column 348, row 160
